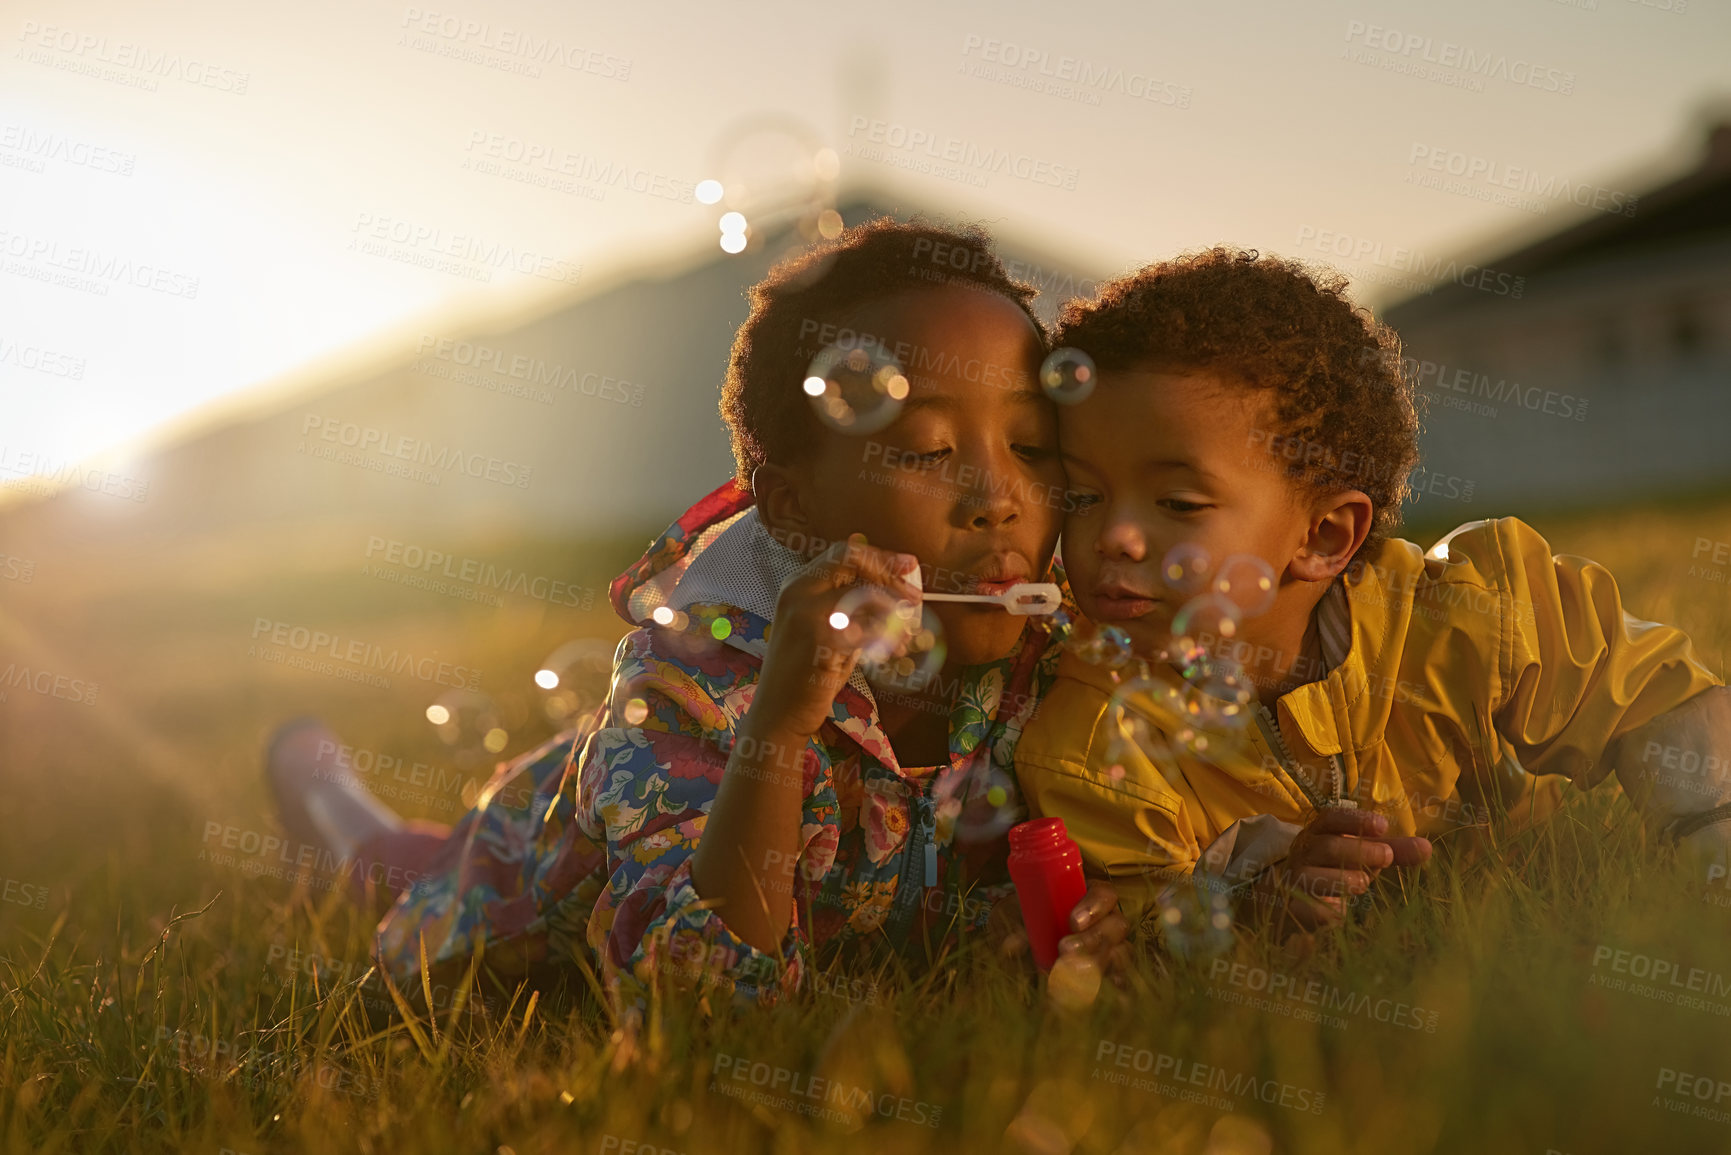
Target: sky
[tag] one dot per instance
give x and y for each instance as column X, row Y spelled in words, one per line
column 201, row 203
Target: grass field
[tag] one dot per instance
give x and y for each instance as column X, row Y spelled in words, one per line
column 154, row 1000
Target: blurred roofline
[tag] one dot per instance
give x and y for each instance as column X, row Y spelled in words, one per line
column 1698, row 163
column 475, row 316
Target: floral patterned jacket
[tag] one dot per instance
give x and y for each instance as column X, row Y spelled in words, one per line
column 594, row 864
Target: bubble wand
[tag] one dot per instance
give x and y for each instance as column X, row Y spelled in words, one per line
column 1024, row 599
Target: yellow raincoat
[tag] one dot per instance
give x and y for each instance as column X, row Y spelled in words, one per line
column 1477, row 679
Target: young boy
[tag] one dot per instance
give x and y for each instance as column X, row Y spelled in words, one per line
column 1397, row 694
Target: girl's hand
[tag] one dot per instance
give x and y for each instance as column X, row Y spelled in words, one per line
column 1098, row 930
column 754, row 824
column 810, row 658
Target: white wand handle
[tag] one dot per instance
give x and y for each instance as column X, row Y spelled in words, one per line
column 1022, row 599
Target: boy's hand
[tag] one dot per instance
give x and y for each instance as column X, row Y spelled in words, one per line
column 1098, row 930
column 1339, row 853
column 809, row 659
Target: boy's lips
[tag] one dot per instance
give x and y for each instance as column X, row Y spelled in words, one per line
column 1116, row 602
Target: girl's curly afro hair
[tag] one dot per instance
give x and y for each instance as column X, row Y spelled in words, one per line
column 767, row 413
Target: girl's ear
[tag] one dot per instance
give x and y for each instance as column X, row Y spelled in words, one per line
column 1338, row 526
column 781, row 503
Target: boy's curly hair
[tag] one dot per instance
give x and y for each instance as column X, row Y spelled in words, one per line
column 767, row 413
column 1342, row 406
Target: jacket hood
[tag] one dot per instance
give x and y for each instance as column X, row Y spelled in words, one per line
column 651, row 580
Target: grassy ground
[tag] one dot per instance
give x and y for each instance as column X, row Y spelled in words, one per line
column 153, row 999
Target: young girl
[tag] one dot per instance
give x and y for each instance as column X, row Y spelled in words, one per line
column 747, row 793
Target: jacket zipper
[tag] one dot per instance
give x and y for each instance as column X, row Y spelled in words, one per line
column 1277, row 743
column 1271, row 734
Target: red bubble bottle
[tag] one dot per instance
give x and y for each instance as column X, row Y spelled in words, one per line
column 1046, row 866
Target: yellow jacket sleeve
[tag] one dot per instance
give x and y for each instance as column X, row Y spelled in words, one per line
column 1133, row 828
column 1574, row 669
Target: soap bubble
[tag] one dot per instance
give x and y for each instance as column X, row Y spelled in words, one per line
column 1073, row 983
column 574, row 678
column 671, row 618
column 469, row 723
column 982, row 797
column 901, row 644
column 1196, row 919
column 1185, row 568
column 1235, row 1135
column 1057, row 623
column 1247, row 582
column 1192, row 739
column 858, row 390
column 1199, row 627
column 1107, row 646
column 885, row 621
column 1168, row 697
column 1223, row 694
column 1067, row 375
column 765, row 160
column 1123, row 750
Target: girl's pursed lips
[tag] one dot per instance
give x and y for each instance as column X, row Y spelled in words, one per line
column 992, row 573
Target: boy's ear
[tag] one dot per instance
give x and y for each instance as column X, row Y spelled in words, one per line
column 780, row 501
column 1338, row 526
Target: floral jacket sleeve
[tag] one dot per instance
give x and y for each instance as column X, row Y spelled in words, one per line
column 647, row 779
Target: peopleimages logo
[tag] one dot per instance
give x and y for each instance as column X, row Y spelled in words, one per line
column 40, row 147
column 967, row 156
column 1430, row 270
column 305, row 640
column 423, row 245
column 806, row 1094
column 1471, row 62
column 1187, row 1073
column 367, row 440
column 1068, row 77
column 37, row 472
column 48, row 683
column 104, row 269
column 514, row 42
column 1472, row 168
column 24, row 893
column 943, row 478
column 418, row 561
column 584, row 168
column 1312, row 999
column 39, row 360
column 89, row 49
column 531, row 370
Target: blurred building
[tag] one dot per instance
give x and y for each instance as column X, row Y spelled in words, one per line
column 596, row 417
column 1608, row 378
